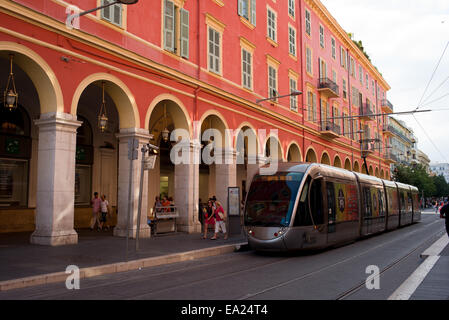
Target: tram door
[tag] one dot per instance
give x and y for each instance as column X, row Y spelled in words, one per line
column 331, row 213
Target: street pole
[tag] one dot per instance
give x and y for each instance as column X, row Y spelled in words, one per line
column 142, row 170
column 133, row 154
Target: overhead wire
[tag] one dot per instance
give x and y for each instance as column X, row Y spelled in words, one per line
column 433, row 74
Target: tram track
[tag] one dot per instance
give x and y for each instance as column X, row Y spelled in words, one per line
column 361, row 284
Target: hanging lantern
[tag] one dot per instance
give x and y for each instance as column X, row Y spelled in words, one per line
column 165, row 133
column 10, row 96
column 103, row 118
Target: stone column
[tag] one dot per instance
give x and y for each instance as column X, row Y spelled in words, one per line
column 187, row 188
column 143, row 137
column 55, row 194
column 225, row 176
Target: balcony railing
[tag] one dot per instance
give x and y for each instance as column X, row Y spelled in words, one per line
column 328, row 87
column 390, row 157
column 330, row 129
column 367, row 111
column 387, row 105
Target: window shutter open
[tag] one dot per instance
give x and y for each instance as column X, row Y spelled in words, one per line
column 117, row 14
column 184, row 33
column 169, row 26
column 253, row 12
column 240, row 7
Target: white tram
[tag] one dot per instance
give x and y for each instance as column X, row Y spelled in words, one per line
column 310, row 205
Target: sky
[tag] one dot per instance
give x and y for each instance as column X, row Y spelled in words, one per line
column 406, row 41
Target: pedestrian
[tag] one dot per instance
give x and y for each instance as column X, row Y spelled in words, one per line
column 208, row 218
column 220, row 218
column 104, row 212
column 444, row 213
column 96, row 204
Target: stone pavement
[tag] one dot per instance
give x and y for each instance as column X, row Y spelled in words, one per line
column 435, row 285
column 23, row 264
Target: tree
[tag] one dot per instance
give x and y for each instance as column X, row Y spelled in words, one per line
column 417, row 176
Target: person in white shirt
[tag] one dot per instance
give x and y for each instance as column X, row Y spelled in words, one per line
column 104, row 212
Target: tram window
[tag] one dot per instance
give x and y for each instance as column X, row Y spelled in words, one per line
column 331, row 204
column 382, row 208
column 316, row 201
column 367, row 194
column 401, row 194
column 302, row 217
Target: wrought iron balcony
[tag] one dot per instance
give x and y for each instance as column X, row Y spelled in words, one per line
column 367, row 146
column 390, row 157
column 330, row 129
column 387, row 106
column 328, row 88
column 367, row 112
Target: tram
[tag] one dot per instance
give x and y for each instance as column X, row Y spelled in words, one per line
column 313, row 206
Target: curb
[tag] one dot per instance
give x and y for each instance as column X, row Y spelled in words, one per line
column 89, row 272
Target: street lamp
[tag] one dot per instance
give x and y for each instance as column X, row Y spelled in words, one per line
column 70, row 17
column 293, row 93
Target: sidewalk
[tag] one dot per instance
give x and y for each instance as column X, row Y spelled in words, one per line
column 435, row 285
column 23, row 264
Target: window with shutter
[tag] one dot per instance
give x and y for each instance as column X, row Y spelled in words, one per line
column 246, row 69
column 169, row 26
column 292, row 41
column 271, row 25
column 112, row 13
column 247, row 10
column 184, row 33
column 176, row 29
column 214, row 51
column 308, row 23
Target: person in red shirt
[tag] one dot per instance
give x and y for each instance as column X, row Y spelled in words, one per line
column 220, row 218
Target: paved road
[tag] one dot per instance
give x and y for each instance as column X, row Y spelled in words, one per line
column 338, row 273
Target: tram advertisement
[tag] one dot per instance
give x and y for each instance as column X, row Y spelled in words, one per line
column 347, row 205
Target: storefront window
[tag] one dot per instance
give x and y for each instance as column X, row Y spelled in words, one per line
column 15, row 152
column 84, row 161
column 13, row 183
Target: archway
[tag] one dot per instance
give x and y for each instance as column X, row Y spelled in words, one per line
column 348, row 164
column 277, row 154
column 337, row 162
column 382, row 174
column 294, row 153
column 28, row 164
column 311, row 156
column 356, row 166
column 325, row 159
column 247, row 149
column 371, row 171
column 96, row 150
column 376, row 172
column 164, row 116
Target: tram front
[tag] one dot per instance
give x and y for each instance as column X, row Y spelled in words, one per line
column 269, row 208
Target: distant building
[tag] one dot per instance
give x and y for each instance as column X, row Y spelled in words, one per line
column 424, row 160
column 441, row 169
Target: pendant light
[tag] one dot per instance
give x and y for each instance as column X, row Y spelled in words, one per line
column 10, row 96
column 165, row 132
column 102, row 118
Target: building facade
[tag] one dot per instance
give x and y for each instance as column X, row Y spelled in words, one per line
column 176, row 67
column 440, row 169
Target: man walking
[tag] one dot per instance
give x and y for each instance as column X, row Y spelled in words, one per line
column 445, row 213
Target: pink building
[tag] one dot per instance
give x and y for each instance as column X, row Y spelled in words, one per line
column 163, row 65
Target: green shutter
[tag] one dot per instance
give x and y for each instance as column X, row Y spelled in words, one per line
column 169, row 26
column 240, row 7
column 184, row 33
column 253, row 12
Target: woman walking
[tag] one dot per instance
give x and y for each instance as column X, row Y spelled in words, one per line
column 220, row 218
column 208, row 218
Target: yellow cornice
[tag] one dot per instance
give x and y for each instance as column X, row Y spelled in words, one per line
column 214, row 22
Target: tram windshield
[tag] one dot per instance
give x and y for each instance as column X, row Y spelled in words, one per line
column 271, row 199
